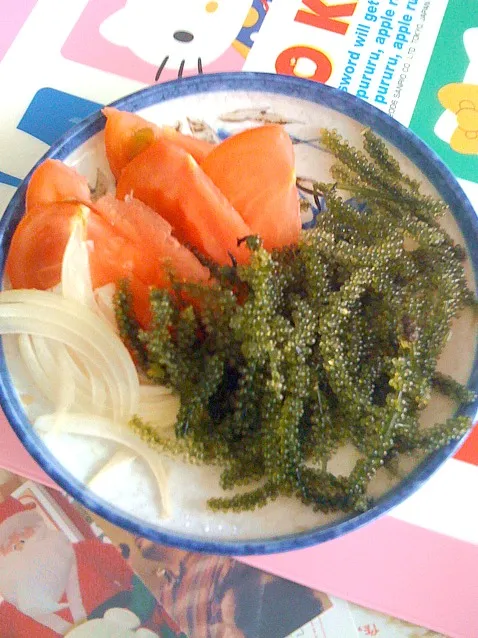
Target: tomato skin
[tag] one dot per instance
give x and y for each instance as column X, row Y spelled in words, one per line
column 39, row 241
column 128, row 134
column 169, row 180
column 140, row 224
column 199, row 149
column 120, row 128
column 127, row 240
column 38, row 244
column 54, row 181
column 141, row 306
column 255, row 169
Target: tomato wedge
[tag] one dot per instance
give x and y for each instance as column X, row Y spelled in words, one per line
column 141, row 225
column 255, row 169
column 37, row 248
column 128, row 134
column 54, row 181
column 38, row 244
column 128, row 241
column 169, row 180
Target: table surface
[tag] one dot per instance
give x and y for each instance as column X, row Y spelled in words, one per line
column 186, row 585
column 411, row 58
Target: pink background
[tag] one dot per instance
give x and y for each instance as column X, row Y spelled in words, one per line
column 14, row 13
column 101, row 54
column 391, row 566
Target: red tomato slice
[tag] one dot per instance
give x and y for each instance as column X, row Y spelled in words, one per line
column 54, row 181
column 128, row 241
column 169, row 180
column 255, row 170
column 128, row 134
column 138, row 223
column 37, row 248
column 39, row 241
column 141, row 307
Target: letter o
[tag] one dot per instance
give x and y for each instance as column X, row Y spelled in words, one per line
column 286, row 63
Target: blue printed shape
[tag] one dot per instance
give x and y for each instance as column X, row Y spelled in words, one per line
column 10, row 180
column 52, row 113
column 245, row 34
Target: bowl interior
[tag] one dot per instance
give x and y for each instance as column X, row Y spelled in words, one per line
column 218, row 106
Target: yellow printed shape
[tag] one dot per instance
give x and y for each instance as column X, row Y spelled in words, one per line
column 462, row 100
column 251, row 20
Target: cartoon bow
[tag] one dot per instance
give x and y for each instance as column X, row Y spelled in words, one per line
column 462, row 100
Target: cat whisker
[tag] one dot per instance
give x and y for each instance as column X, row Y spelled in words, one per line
column 181, row 68
column 200, row 71
column 161, row 68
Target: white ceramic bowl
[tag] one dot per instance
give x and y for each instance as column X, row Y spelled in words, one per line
column 226, row 103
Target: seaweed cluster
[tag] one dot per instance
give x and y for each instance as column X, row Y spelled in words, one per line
column 334, row 341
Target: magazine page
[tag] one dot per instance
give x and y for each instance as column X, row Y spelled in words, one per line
column 66, row 572
column 337, row 622
column 375, row 49
column 446, row 113
column 59, row 577
column 216, row 595
column 371, row 623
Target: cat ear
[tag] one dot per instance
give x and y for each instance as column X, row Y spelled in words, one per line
column 115, row 27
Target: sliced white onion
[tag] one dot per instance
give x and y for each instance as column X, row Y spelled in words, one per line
column 44, row 367
column 104, row 303
column 47, row 352
column 161, row 412
column 15, row 322
column 75, row 269
column 66, row 389
column 91, row 395
column 101, row 399
column 37, row 372
column 76, row 283
column 45, row 314
column 149, row 392
column 62, row 393
column 123, row 456
column 86, row 425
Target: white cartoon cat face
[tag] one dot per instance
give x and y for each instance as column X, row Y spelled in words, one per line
column 179, row 35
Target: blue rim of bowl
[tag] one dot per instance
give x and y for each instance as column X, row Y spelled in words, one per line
column 403, row 139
